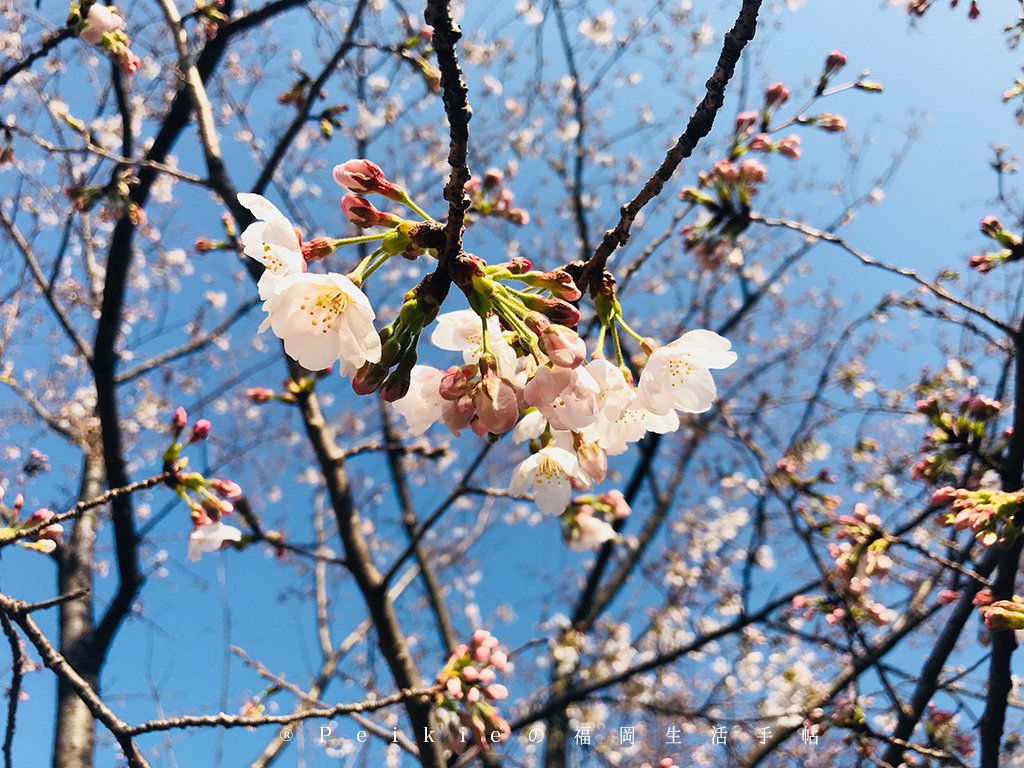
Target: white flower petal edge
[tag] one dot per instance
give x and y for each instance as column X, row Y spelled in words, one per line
column 210, row 538
column 422, row 404
column 271, row 241
column 322, row 319
column 678, row 376
column 549, row 472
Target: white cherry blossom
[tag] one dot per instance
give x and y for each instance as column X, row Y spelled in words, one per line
column 321, row 319
column 550, row 472
column 462, row 331
column 101, row 19
column 423, row 403
column 567, row 397
column 590, row 532
column 678, row 375
column 271, row 241
column 210, row 538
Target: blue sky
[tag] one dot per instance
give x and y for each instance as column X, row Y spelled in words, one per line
column 942, row 79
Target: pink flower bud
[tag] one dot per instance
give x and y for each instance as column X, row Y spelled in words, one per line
column 259, row 394
column 752, row 172
column 317, row 248
column 496, row 403
column 834, row 62
column 761, row 143
column 1004, row 615
column 369, row 378
column 981, row 262
column 789, row 147
column 947, row 596
column 496, row 692
column 362, row 213
column 745, row 120
column 457, row 382
column 831, row 123
column 620, row 508
column 492, row 179
column 990, row 226
column 563, row 346
column 499, row 660
column 204, row 245
column 454, row 687
column 364, row 178
column 725, row 172
column 480, row 637
column 776, row 95
column 519, row 216
column 226, row 488
column 179, row 419
column 200, row 430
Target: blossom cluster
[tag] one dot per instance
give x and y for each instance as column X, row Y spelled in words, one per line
column 35, row 532
column 208, row 499
column 989, row 513
column 466, row 687
column 1000, row 615
column 101, row 25
column 524, row 369
column 724, row 194
column 492, row 197
column 959, row 429
column 860, row 553
column 115, row 197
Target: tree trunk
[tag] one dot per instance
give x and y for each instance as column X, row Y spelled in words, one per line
column 74, row 734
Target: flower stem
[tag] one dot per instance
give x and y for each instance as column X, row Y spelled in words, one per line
column 408, row 203
column 359, row 239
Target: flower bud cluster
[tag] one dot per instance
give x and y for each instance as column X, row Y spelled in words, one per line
column 101, row 25
column 466, row 689
column 990, row 514
column 1010, row 249
column 208, row 499
column 115, row 196
column 492, row 197
column 959, row 429
column 38, row 534
column 725, row 192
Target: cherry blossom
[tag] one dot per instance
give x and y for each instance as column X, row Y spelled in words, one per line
column 272, row 242
column 462, row 331
column 100, row 20
column 567, row 397
column 211, row 537
column 589, row 532
column 322, row 319
column 550, row 472
column 422, row 405
column 678, row 375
